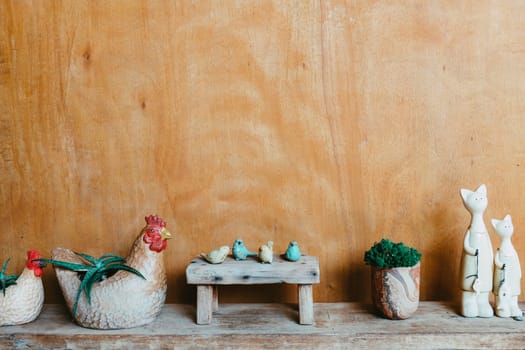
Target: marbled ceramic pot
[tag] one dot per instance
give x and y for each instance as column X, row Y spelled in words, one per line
column 395, row 291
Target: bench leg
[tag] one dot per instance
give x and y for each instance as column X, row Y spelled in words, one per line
column 204, row 304
column 306, row 304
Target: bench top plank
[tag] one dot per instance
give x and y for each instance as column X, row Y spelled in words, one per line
column 251, row 271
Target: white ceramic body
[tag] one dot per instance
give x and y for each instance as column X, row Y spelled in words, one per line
column 476, row 271
column 22, row 302
column 507, row 271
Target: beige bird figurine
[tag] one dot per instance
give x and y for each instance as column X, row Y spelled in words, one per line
column 216, row 256
column 266, row 253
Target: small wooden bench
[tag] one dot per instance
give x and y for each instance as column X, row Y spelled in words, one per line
column 208, row 277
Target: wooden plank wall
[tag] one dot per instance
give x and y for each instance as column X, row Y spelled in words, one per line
column 329, row 122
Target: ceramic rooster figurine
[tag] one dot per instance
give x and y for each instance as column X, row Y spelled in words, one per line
column 21, row 302
column 124, row 299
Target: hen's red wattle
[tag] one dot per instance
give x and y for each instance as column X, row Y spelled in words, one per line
column 34, row 265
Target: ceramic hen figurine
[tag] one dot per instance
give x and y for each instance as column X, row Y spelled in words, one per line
column 266, row 253
column 477, row 258
column 239, row 250
column 216, row 256
column 293, row 253
column 22, row 302
column 507, row 272
column 123, row 300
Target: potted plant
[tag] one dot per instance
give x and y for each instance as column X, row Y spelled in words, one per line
column 92, row 271
column 395, row 278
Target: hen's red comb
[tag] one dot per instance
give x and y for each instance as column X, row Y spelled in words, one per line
column 154, row 220
column 36, row 266
column 31, row 255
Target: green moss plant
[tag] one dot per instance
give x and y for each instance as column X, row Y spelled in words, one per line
column 6, row 280
column 387, row 254
column 93, row 271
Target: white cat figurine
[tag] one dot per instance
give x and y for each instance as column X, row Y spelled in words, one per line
column 507, row 272
column 477, row 258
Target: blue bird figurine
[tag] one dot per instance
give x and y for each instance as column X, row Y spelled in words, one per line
column 293, row 253
column 239, row 250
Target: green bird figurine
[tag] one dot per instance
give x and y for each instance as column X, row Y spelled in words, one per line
column 293, row 253
column 239, row 250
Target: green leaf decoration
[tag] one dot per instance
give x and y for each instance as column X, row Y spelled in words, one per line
column 106, row 257
column 95, row 270
column 387, row 254
column 128, row 268
column 112, row 260
column 66, row 264
column 87, row 283
column 6, row 281
column 88, row 258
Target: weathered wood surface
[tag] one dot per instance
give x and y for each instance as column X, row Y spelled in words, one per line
column 267, row 326
column 305, row 304
column 207, row 277
column 251, row 271
column 206, row 296
column 208, row 302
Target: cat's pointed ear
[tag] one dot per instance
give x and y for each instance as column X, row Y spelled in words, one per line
column 465, row 194
column 495, row 223
column 482, row 189
column 507, row 218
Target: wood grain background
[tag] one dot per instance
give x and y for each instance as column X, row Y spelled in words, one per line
column 329, row 122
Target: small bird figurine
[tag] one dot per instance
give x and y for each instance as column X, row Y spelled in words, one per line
column 216, row 256
column 239, row 250
column 266, row 253
column 292, row 252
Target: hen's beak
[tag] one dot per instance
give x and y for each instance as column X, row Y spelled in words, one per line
column 41, row 264
column 165, row 234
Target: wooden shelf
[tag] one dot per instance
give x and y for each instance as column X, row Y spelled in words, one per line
column 435, row 325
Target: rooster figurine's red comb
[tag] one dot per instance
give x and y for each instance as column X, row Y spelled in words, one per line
column 154, row 220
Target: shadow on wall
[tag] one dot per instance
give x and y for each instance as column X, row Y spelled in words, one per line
column 359, row 292
column 443, row 256
column 179, row 291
